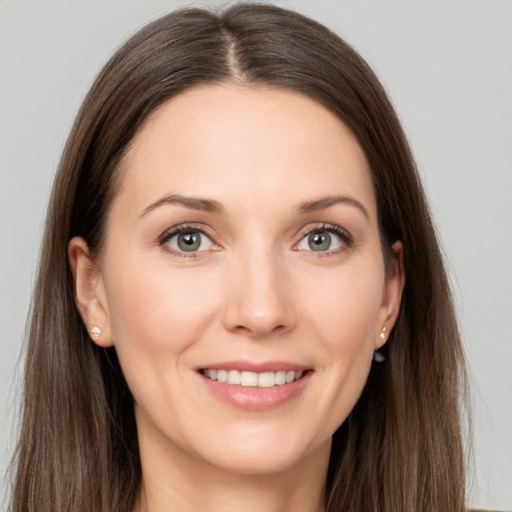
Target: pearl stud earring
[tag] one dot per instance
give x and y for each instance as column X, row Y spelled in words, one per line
column 96, row 331
column 382, row 335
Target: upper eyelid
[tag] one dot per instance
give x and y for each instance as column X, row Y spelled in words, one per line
column 180, row 228
column 325, row 226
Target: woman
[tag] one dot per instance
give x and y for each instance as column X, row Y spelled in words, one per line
column 241, row 300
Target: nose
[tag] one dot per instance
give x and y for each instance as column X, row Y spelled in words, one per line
column 258, row 297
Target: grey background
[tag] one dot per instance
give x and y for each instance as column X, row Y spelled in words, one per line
column 448, row 68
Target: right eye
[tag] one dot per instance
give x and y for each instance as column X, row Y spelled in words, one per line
column 188, row 241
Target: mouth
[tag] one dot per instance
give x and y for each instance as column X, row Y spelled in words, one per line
column 253, row 379
column 256, row 387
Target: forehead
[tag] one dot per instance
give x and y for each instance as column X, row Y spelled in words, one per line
column 231, row 141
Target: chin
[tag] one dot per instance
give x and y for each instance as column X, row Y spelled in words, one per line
column 263, row 456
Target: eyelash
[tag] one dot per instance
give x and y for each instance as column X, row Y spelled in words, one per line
column 341, row 233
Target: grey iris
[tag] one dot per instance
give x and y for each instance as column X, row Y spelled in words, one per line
column 319, row 241
column 189, row 241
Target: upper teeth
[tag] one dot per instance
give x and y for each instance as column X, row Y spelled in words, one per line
column 262, row 380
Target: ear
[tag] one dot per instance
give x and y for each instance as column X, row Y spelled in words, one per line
column 394, row 286
column 89, row 292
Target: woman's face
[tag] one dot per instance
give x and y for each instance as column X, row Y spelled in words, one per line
column 243, row 244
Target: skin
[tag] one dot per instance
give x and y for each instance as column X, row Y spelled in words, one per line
column 256, row 291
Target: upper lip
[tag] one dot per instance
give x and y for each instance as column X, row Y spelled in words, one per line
column 256, row 367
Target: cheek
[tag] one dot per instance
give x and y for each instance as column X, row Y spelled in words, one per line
column 156, row 311
column 345, row 303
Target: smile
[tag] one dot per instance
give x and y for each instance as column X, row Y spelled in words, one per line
column 256, row 386
column 253, row 379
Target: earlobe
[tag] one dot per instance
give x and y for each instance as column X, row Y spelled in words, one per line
column 89, row 292
column 395, row 282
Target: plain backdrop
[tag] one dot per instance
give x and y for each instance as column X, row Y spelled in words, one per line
column 448, row 68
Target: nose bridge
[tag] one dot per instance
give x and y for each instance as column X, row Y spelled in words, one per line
column 258, row 301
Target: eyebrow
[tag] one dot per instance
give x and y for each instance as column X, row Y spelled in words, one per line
column 212, row 206
column 325, row 202
column 195, row 203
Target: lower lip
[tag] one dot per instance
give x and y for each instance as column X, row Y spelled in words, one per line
column 254, row 398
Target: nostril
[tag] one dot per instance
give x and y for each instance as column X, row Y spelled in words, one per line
column 260, row 329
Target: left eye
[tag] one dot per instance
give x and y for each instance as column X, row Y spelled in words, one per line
column 321, row 240
column 189, row 241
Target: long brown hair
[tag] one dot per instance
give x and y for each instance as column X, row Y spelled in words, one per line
column 400, row 448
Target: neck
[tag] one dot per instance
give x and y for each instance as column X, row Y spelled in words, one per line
column 174, row 480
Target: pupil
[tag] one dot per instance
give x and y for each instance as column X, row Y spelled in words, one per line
column 319, row 241
column 189, row 242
